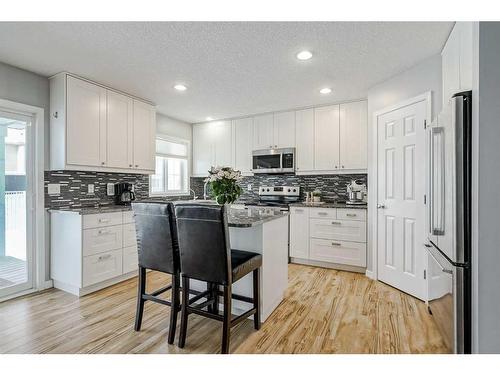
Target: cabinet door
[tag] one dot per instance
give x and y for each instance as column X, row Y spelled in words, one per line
column 203, row 155
column 326, row 138
column 144, row 121
column 466, row 37
column 242, row 145
column 263, row 132
column 299, row 232
column 223, row 144
column 304, row 140
column 451, row 65
column 284, row 129
column 86, row 123
column 353, row 135
column 120, row 130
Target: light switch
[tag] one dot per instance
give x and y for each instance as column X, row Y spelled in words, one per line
column 54, row 189
column 90, row 188
column 110, row 189
column 249, row 187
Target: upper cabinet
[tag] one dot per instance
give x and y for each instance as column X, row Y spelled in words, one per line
column 242, row 145
column 212, row 146
column 326, row 138
column 98, row 129
column 353, row 140
column 304, row 140
column 457, row 60
column 263, row 132
column 284, row 129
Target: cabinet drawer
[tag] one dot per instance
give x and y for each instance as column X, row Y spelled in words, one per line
column 341, row 252
column 130, row 259
column 101, row 267
column 326, row 213
column 129, row 235
column 344, row 230
column 351, row 214
column 128, row 217
column 102, row 220
column 98, row 240
column 299, row 211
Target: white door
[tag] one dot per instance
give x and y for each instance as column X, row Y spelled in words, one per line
column 304, row 139
column 401, row 188
column 144, row 136
column 203, row 155
column 242, row 144
column 86, row 123
column 223, row 147
column 326, row 138
column 284, row 129
column 353, row 135
column 119, row 125
column 16, row 199
column 263, row 132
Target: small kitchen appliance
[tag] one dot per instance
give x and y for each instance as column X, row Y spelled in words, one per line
column 124, row 193
column 274, row 160
column 356, row 192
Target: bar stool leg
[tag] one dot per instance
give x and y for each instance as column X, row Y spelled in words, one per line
column 184, row 311
column 141, row 289
column 174, row 307
column 226, row 327
column 256, row 298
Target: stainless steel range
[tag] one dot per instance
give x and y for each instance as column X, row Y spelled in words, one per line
column 276, row 196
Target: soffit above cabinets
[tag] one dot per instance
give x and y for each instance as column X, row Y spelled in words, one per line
column 230, row 69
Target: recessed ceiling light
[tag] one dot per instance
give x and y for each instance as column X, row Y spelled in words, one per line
column 180, row 87
column 304, row 55
column 325, row 90
column 209, row 118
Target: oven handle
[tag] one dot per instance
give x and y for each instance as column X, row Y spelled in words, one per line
column 443, row 269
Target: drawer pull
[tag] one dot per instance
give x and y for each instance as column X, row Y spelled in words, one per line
column 103, row 220
column 322, row 213
column 336, row 244
column 336, row 223
column 104, row 257
column 299, row 210
column 104, row 232
column 351, row 215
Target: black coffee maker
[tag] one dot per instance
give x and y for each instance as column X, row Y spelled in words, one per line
column 124, row 193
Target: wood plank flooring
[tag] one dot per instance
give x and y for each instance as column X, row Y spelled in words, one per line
column 325, row 311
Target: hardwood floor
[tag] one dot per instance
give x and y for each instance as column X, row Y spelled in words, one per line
column 325, row 311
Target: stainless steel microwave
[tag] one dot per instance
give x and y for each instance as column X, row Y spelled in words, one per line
column 274, row 160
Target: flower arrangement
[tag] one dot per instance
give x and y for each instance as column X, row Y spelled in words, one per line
column 223, row 183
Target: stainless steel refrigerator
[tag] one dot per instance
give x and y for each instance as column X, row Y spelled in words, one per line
column 449, row 222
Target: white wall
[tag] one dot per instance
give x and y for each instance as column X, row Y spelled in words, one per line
column 486, row 155
column 174, row 128
column 423, row 77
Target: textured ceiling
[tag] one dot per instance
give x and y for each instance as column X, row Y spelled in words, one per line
column 231, row 69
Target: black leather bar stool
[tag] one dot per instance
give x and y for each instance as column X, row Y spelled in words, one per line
column 206, row 255
column 158, row 250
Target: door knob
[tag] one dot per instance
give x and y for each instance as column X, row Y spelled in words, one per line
column 380, row 205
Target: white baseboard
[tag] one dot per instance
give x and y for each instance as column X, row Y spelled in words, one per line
column 334, row 266
column 47, row 284
column 370, row 274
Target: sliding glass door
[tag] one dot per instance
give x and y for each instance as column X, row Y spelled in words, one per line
column 16, row 215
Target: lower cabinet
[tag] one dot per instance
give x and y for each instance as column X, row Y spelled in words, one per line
column 91, row 252
column 328, row 235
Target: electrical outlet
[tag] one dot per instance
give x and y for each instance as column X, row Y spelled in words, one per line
column 54, row 189
column 249, row 187
column 90, row 188
column 110, row 189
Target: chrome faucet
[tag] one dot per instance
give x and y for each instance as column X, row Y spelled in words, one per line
column 195, row 197
column 205, row 190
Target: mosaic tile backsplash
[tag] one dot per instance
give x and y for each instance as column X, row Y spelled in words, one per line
column 74, row 186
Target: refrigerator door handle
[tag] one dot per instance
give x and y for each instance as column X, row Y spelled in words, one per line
column 437, row 191
column 443, row 269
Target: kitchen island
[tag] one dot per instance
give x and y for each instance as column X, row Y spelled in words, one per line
column 264, row 231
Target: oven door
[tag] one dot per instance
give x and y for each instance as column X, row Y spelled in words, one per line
column 266, row 161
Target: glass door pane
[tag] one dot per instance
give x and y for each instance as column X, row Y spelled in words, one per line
column 15, row 247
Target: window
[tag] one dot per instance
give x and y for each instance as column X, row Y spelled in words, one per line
column 171, row 173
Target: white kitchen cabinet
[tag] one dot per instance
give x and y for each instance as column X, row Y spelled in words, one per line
column 284, row 129
column 328, row 237
column 304, row 140
column 222, row 147
column 91, row 252
column 263, row 132
column 119, row 118
column 86, row 123
column 326, row 138
column 353, row 141
column 299, row 232
column 95, row 128
column 212, row 146
column 242, row 145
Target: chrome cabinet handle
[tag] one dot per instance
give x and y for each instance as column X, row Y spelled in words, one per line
column 382, row 206
column 322, row 213
column 336, row 244
column 104, row 232
column 104, row 257
column 336, row 223
column 299, row 210
column 351, row 215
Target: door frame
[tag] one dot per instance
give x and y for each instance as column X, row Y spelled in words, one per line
column 373, row 174
column 37, row 200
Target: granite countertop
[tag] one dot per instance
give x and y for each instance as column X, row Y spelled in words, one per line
column 329, row 205
column 244, row 217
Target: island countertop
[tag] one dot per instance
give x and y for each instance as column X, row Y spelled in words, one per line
column 237, row 217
